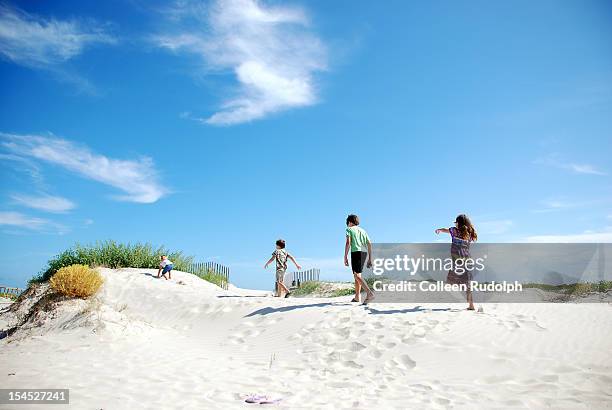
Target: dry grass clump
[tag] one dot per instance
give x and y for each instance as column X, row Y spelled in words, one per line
column 76, row 281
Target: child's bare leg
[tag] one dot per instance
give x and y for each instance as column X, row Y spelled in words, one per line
column 369, row 293
column 357, row 288
column 470, row 300
column 279, row 291
column 281, row 285
column 169, row 274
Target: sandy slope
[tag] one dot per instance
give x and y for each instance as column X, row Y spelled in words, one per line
column 148, row 343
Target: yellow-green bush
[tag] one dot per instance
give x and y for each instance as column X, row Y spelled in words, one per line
column 78, row 281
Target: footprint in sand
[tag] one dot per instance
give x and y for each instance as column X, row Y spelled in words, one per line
column 343, row 332
column 354, row 334
column 407, row 361
column 237, row 340
column 356, row 347
column 404, row 362
column 352, row 364
column 408, row 340
column 419, row 332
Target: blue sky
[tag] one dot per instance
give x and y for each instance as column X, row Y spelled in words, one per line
column 218, row 127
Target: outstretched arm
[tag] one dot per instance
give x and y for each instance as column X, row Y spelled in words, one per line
column 269, row 262
column 347, row 246
column 442, row 230
column 294, row 262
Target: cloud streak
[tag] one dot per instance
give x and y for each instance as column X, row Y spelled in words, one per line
column 585, row 169
column 270, row 49
column 137, row 179
column 585, row 237
column 33, row 41
column 554, row 160
column 47, row 203
column 19, row 220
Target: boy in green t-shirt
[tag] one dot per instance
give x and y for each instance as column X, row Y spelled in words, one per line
column 358, row 241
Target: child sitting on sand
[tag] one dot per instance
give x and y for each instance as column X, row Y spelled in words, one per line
column 358, row 241
column 462, row 235
column 165, row 266
column 280, row 255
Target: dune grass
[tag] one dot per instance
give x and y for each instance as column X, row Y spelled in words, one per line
column 343, row 292
column 307, row 288
column 211, row 276
column 8, row 295
column 76, row 281
column 111, row 254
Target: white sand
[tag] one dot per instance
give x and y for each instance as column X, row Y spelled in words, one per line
column 145, row 343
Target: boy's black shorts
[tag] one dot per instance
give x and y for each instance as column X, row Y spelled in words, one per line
column 358, row 259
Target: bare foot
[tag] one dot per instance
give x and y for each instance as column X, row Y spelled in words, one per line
column 368, row 299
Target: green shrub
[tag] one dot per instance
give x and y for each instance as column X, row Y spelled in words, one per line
column 343, row 292
column 211, row 276
column 9, row 296
column 307, row 288
column 111, row 254
column 371, row 279
column 78, row 281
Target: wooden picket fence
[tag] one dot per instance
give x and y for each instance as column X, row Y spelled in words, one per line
column 295, row 279
column 10, row 290
column 200, row 267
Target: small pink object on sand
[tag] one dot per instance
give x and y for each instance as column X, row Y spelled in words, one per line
column 260, row 399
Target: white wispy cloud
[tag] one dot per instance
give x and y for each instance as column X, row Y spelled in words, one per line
column 34, row 41
column 271, row 50
column 136, row 178
column 26, row 166
column 552, row 205
column 585, row 169
column 584, row 237
column 494, row 227
column 48, row 203
column 555, row 160
column 19, row 220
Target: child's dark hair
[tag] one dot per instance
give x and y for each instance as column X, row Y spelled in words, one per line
column 465, row 228
column 352, row 218
column 281, row 243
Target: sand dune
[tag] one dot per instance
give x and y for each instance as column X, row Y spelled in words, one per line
column 186, row 344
